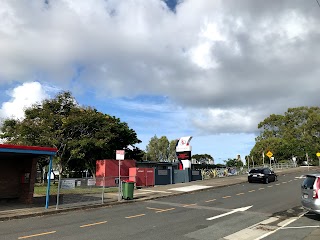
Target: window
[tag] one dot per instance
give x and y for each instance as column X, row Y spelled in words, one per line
column 266, row 171
column 308, row 182
column 256, row 171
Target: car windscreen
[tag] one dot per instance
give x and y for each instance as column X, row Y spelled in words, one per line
column 308, row 182
column 256, row 171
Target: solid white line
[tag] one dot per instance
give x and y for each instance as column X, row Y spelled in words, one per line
column 272, row 232
column 301, row 227
column 252, row 231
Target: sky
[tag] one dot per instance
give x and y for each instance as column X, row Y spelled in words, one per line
column 208, row 69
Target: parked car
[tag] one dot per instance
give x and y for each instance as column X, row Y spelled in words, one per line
column 264, row 175
column 310, row 193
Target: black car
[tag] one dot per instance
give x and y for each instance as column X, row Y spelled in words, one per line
column 264, row 175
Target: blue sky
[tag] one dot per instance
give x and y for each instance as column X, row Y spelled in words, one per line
column 209, row 69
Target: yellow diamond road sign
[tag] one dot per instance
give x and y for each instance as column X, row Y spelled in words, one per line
column 269, row 154
column 318, row 154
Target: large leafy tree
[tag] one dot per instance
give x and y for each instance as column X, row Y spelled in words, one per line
column 296, row 133
column 81, row 135
column 233, row 163
column 172, row 151
column 161, row 150
column 203, row 158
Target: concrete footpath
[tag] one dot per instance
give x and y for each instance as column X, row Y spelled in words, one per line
column 15, row 210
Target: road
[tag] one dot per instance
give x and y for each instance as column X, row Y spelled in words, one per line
column 243, row 211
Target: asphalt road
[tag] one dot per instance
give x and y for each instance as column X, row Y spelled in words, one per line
column 243, row 211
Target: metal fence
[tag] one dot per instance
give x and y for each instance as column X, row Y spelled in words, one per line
column 85, row 191
column 69, row 192
column 225, row 172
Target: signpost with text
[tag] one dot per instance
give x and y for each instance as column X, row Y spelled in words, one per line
column 119, row 157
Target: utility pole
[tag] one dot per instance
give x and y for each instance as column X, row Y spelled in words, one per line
column 252, row 161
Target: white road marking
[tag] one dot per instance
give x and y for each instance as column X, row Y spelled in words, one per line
column 228, row 213
column 317, row 226
column 189, row 188
column 253, row 231
column 269, row 220
column 262, row 229
column 290, row 220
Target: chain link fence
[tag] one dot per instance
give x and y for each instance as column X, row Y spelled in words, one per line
column 72, row 192
column 225, row 172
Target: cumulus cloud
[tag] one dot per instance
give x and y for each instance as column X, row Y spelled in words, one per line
column 231, row 61
column 21, row 97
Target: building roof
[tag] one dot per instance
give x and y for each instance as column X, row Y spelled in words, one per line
column 10, row 148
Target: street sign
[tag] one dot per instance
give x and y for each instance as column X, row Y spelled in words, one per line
column 318, row 154
column 120, row 155
column 269, row 154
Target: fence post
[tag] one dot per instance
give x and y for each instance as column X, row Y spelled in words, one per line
column 104, row 183
column 58, row 193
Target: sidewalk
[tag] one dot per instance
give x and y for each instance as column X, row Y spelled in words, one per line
column 16, row 210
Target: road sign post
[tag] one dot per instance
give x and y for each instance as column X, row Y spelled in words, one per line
column 269, row 154
column 119, row 157
column 318, row 155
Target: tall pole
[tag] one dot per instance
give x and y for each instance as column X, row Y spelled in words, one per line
column 263, row 158
column 252, row 161
column 49, row 182
column 119, row 182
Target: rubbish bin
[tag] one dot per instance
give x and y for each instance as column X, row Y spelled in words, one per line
column 127, row 189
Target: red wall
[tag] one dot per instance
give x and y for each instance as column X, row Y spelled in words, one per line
column 142, row 176
column 108, row 170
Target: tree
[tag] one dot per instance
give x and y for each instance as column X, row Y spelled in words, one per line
column 97, row 136
column 172, row 151
column 203, row 158
column 81, row 135
column 161, row 150
column 295, row 133
column 234, row 163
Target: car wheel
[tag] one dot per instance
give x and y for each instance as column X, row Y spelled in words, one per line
column 249, row 181
column 266, row 181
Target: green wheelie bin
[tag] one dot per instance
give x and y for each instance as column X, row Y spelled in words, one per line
column 127, row 189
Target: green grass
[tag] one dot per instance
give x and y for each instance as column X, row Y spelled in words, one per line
column 41, row 190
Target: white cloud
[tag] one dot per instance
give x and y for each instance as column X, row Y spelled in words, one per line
column 22, row 97
column 222, row 57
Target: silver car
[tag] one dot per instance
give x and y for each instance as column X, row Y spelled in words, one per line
column 310, row 193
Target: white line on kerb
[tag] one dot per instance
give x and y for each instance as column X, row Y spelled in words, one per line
column 283, row 226
column 317, row 226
